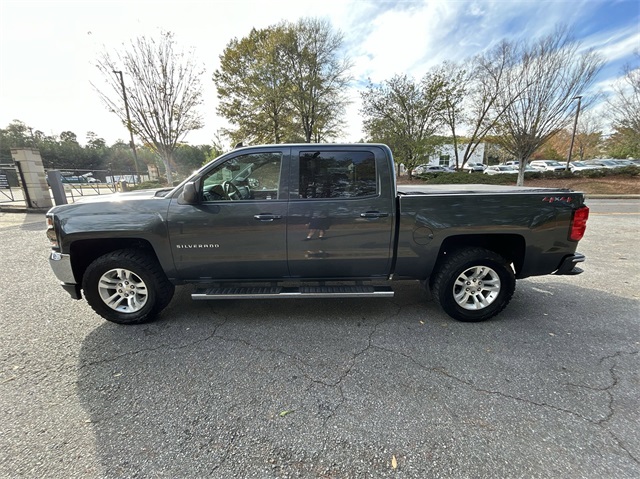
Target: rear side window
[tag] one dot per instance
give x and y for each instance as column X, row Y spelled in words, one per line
column 337, row 174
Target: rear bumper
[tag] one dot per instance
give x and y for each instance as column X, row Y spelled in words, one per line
column 568, row 266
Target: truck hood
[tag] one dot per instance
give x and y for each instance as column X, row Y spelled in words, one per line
column 128, row 196
column 142, row 200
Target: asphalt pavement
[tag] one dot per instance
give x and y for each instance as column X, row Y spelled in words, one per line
column 326, row 388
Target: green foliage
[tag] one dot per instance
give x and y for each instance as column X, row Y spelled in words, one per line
column 253, row 88
column 624, row 143
column 462, row 178
column 64, row 152
column 147, row 185
column 189, row 158
column 405, row 115
column 284, row 83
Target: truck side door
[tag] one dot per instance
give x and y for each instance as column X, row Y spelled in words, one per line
column 341, row 212
column 237, row 230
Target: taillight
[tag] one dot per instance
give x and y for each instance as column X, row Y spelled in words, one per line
column 579, row 223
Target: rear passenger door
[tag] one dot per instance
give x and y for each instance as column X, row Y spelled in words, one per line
column 340, row 213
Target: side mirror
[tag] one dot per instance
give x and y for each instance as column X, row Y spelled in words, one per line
column 189, row 195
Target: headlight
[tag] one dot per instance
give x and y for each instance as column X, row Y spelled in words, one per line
column 51, row 233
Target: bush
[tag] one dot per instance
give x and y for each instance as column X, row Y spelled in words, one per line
column 146, row 185
column 460, row 178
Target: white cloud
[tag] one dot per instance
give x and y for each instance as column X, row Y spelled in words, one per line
column 46, row 48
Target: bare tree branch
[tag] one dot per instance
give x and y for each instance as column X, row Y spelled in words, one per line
column 163, row 89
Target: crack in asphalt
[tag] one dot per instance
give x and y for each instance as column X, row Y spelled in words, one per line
column 347, row 371
column 600, row 423
column 227, row 452
column 159, row 347
column 300, row 364
column 608, row 391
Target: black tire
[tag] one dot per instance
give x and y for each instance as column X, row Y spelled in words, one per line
column 134, row 281
column 473, row 284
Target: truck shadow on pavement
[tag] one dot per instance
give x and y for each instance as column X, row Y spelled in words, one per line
column 343, row 388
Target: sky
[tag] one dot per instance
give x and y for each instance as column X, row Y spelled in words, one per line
column 48, row 48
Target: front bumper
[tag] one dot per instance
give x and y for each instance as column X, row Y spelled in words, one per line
column 61, row 266
column 568, row 266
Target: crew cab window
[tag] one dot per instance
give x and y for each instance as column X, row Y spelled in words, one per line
column 337, row 174
column 255, row 176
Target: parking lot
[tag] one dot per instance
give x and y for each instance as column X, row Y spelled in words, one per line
column 326, row 388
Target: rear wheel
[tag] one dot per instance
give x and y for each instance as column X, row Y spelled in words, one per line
column 473, row 284
column 127, row 287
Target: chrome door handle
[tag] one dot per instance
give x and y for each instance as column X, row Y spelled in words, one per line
column 373, row 215
column 267, row 217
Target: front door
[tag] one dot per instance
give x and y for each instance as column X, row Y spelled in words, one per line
column 238, row 228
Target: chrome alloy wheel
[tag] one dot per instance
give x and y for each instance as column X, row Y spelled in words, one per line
column 476, row 288
column 123, row 290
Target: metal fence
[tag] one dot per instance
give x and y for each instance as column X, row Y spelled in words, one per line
column 77, row 184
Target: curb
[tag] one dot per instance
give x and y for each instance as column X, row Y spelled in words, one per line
column 22, row 209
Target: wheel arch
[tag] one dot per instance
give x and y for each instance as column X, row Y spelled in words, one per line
column 84, row 252
column 510, row 246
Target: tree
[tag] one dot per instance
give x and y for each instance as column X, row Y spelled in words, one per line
column 455, row 83
column 623, row 143
column 284, row 83
column 15, row 135
column 405, row 115
column 163, row 91
column 550, row 73
column 318, row 76
column 470, row 94
column 587, row 142
column 625, row 113
column 253, row 88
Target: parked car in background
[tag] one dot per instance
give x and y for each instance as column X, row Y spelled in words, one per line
column 577, row 166
column 473, row 167
column 547, row 165
column 624, row 163
column 500, row 170
column 607, row 163
column 74, row 179
column 421, row 169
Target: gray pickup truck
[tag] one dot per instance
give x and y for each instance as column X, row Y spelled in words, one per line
column 311, row 221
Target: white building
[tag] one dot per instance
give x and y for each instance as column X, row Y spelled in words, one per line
column 446, row 156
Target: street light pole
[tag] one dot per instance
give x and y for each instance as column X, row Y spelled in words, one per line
column 573, row 135
column 126, row 107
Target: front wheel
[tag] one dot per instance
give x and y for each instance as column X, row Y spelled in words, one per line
column 474, row 284
column 127, row 287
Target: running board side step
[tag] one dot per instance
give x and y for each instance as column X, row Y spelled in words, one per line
column 273, row 292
